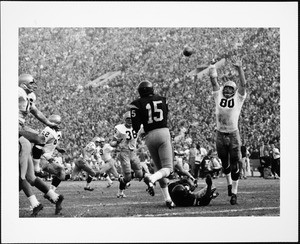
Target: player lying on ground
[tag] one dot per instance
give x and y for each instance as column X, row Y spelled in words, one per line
column 182, row 193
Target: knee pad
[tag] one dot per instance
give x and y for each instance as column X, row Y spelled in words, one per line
column 227, row 170
column 36, row 152
column 163, row 182
column 235, row 172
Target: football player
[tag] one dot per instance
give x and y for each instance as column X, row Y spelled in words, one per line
column 27, row 85
column 183, row 196
column 125, row 139
column 83, row 162
column 24, row 154
column 178, row 164
column 229, row 100
column 105, row 150
column 43, row 155
column 151, row 111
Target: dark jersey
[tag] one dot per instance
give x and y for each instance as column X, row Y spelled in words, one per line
column 150, row 111
column 266, row 161
column 243, row 151
column 187, row 200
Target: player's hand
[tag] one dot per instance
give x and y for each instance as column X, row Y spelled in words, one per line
column 237, row 62
column 53, row 126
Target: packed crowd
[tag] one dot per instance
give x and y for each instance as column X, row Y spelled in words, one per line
column 65, row 60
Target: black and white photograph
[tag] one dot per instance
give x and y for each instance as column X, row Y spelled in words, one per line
column 140, row 118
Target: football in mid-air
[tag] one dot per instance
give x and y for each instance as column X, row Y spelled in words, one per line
column 187, row 51
column 80, row 119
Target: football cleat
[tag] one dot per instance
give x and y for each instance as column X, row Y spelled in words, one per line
column 88, row 188
column 213, row 193
column 233, row 199
column 48, row 198
column 121, row 195
column 58, row 202
column 170, row 204
column 229, row 188
column 36, row 210
column 150, row 185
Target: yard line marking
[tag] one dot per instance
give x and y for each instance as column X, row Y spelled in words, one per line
column 146, row 203
column 204, row 212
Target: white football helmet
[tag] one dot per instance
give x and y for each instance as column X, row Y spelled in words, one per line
column 229, row 89
column 27, row 82
column 98, row 139
column 54, row 118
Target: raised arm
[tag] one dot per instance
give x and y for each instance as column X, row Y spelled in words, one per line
column 41, row 117
column 212, row 69
column 237, row 63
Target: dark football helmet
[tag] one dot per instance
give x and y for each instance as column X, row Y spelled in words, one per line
column 145, row 88
column 179, row 192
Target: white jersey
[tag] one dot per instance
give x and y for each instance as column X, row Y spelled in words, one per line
column 200, row 154
column 25, row 103
column 52, row 138
column 276, row 153
column 58, row 160
column 126, row 136
column 228, row 110
column 105, row 152
column 89, row 151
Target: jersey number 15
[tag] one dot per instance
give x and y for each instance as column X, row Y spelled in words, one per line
column 154, row 112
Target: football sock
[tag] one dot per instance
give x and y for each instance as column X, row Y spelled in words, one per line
column 166, row 194
column 235, row 186
column 228, row 178
column 89, row 180
column 41, row 185
column 55, row 182
column 26, row 188
column 33, row 201
column 164, row 172
column 53, row 196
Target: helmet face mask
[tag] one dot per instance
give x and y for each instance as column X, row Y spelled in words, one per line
column 145, row 89
column 98, row 140
column 229, row 89
column 27, row 82
column 127, row 119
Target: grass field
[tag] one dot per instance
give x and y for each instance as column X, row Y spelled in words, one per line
column 256, row 197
